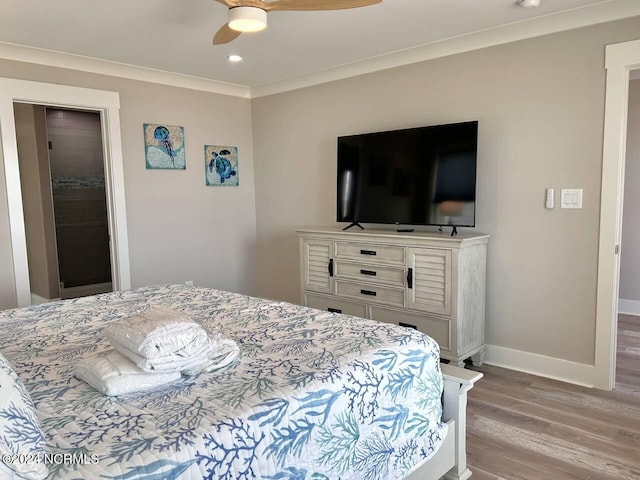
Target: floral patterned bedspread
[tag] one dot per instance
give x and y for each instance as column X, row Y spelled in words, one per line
column 314, row 395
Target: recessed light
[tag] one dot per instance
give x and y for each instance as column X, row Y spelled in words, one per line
column 235, row 58
column 529, row 3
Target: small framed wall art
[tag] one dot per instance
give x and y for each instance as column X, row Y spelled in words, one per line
column 164, row 147
column 221, row 166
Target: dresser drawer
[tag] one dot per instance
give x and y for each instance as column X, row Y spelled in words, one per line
column 436, row 328
column 337, row 305
column 370, row 252
column 370, row 293
column 394, row 276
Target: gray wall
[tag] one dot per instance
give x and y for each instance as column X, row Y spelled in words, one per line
column 540, row 107
column 630, row 254
column 36, row 199
column 178, row 228
column 7, row 286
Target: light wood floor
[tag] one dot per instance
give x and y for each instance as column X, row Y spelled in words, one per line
column 526, row 427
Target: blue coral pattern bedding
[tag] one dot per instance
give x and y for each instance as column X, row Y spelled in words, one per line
column 314, row 395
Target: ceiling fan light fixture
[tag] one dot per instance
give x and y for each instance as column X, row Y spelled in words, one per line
column 247, row 19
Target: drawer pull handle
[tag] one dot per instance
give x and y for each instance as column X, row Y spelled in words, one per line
column 410, row 278
column 334, row 310
column 331, row 267
column 368, row 292
column 368, row 252
column 407, row 325
column 368, row 272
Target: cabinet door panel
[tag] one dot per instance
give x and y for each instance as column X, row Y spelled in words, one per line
column 431, row 286
column 316, row 258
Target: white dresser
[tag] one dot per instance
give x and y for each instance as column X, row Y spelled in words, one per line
column 429, row 281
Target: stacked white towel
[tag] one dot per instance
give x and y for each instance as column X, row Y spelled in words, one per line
column 112, row 374
column 157, row 332
column 153, row 348
column 160, row 340
column 222, row 352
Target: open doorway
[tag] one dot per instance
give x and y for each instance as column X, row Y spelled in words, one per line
column 628, row 346
column 620, row 60
column 64, row 96
column 62, row 176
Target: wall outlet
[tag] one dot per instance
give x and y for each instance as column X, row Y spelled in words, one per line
column 189, row 283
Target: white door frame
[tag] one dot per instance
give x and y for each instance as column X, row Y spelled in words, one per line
column 108, row 104
column 621, row 58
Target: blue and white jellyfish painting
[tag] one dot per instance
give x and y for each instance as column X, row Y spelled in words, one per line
column 164, row 146
column 221, row 165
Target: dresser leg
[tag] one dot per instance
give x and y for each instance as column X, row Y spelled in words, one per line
column 478, row 358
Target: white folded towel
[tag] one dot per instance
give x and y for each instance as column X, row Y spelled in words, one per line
column 112, row 374
column 222, row 353
column 156, row 332
column 175, row 362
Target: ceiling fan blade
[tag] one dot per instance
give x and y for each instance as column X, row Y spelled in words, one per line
column 314, row 5
column 230, row 3
column 225, row 35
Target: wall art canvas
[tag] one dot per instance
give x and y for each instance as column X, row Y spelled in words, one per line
column 164, row 146
column 221, row 166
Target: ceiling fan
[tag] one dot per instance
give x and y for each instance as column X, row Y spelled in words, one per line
column 251, row 15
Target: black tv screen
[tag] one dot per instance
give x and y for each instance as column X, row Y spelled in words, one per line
column 417, row 176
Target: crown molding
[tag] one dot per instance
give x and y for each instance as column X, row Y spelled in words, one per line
column 544, row 25
column 535, row 27
column 41, row 56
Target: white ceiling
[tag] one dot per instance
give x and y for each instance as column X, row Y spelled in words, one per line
column 175, row 35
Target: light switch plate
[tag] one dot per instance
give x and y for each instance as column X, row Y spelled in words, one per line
column 571, row 198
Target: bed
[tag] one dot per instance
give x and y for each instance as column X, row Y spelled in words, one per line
column 314, row 395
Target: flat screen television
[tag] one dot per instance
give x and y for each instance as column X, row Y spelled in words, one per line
column 417, row 176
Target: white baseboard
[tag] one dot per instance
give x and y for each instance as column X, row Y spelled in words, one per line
column 629, row 307
column 541, row 365
column 37, row 299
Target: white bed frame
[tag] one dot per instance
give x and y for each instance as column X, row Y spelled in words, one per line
column 450, row 461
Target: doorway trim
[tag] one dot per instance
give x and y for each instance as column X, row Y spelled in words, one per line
column 108, row 104
column 620, row 59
